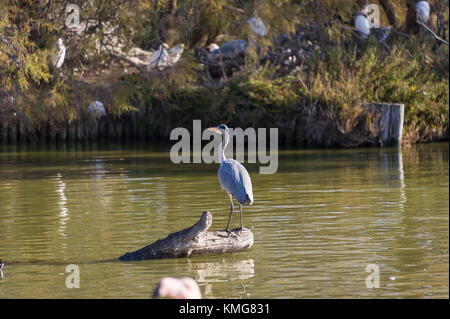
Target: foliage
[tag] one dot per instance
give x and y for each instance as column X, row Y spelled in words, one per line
column 330, row 90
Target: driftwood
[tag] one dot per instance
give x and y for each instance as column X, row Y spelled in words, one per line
column 432, row 32
column 194, row 240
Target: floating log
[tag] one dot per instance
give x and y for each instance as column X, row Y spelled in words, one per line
column 194, row 240
column 390, row 122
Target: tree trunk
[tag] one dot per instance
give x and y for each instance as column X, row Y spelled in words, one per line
column 194, row 240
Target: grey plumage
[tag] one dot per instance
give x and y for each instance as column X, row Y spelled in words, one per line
column 235, row 180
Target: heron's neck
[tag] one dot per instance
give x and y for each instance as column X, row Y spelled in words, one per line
column 222, row 147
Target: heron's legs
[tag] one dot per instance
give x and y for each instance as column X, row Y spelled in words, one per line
column 240, row 214
column 231, row 212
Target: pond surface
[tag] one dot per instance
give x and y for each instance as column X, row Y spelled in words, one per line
column 318, row 223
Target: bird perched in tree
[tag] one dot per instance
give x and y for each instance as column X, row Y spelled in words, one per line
column 213, row 48
column 233, row 48
column 422, row 11
column 257, row 25
column 97, row 109
column 233, row 177
column 177, row 288
column 59, row 55
column 164, row 57
column 362, row 23
column 416, row 11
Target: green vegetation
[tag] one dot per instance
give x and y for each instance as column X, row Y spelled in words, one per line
column 320, row 103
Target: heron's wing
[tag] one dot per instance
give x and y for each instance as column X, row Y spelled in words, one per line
column 235, row 180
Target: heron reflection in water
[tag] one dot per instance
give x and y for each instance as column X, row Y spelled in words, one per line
column 233, row 177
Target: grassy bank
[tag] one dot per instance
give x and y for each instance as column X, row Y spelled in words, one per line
column 319, row 102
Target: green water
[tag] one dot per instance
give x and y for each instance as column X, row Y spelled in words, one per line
column 317, row 223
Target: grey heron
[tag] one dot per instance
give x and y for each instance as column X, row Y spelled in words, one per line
column 233, row 177
column 178, row 288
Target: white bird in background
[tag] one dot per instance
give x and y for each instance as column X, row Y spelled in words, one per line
column 213, row 48
column 257, row 25
column 59, row 56
column 163, row 57
column 158, row 56
column 97, row 109
column 178, row 288
column 362, row 23
column 175, row 53
column 423, row 11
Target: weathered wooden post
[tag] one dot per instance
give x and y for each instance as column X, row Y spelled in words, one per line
column 389, row 121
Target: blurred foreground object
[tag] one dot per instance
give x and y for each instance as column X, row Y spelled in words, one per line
column 177, row 288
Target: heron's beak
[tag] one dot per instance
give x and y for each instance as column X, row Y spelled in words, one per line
column 215, row 129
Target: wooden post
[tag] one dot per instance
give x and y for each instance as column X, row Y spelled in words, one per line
column 390, row 122
column 194, row 240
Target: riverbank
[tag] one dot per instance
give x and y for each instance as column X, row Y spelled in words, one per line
column 316, row 97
